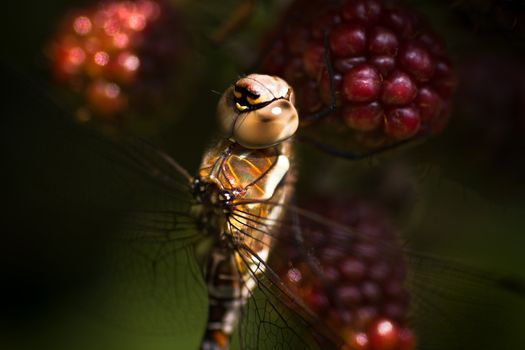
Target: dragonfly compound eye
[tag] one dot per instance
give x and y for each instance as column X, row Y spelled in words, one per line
column 258, row 111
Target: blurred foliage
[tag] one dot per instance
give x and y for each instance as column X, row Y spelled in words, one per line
column 452, row 204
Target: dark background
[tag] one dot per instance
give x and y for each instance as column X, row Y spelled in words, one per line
column 467, row 204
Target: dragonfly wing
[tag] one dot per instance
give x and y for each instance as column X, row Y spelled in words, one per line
column 427, row 294
column 461, row 303
column 106, row 221
column 276, row 318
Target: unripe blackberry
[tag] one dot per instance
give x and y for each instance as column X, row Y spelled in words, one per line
column 118, row 54
column 352, row 279
column 391, row 77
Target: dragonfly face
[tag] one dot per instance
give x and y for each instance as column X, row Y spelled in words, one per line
column 258, row 111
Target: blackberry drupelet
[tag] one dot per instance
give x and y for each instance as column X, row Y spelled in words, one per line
column 391, row 76
column 354, row 283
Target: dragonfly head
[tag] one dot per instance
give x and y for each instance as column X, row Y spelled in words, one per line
column 258, row 111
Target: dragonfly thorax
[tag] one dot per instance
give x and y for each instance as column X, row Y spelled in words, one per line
column 211, row 194
column 214, row 204
column 234, row 184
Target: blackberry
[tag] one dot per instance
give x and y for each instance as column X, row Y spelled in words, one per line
column 390, row 74
column 353, row 282
column 118, row 54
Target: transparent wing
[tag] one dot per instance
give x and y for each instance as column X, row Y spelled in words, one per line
column 336, row 269
column 275, row 317
column 105, row 222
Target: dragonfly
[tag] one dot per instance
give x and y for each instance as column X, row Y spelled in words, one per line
column 234, row 219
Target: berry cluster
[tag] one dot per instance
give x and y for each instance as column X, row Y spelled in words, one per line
column 358, row 290
column 390, row 75
column 118, row 53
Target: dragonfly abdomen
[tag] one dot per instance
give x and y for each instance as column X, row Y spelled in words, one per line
column 242, row 191
column 226, row 294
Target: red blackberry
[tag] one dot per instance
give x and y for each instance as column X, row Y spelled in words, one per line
column 118, row 54
column 353, row 282
column 390, row 74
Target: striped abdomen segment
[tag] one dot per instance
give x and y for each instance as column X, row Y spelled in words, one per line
column 227, row 295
